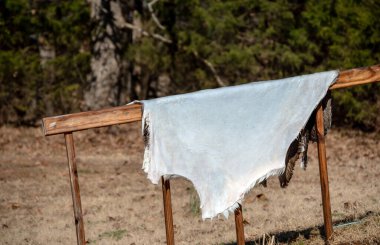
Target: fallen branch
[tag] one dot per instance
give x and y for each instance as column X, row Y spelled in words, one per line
column 213, row 70
column 154, row 17
column 145, row 33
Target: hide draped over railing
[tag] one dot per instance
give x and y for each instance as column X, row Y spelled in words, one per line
column 67, row 124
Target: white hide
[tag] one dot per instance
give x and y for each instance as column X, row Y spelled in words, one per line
column 227, row 140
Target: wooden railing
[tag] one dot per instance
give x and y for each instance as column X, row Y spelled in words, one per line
column 130, row 113
column 67, row 124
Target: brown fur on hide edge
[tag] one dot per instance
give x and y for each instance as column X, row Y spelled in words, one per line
column 300, row 145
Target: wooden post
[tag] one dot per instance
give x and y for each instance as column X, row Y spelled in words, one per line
column 167, row 211
column 77, row 206
column 323, row 172
column 239, row 226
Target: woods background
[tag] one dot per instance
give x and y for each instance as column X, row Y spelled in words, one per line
column 60, row 57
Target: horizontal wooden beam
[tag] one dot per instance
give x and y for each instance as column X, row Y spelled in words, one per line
column 91, row 119
column 130, row 113
column 357, row 76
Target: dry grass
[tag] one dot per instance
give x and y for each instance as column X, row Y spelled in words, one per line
column 122, row 207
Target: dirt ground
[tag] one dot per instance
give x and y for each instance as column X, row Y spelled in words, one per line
column 122, row 207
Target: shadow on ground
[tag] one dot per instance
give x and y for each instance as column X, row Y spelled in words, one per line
column 310, row 232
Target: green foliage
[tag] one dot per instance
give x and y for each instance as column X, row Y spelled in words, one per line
column 238, row 41
column 28, row 90
column 358, row 107
column 256, row 40
column 115, row 235
column 349, row 37
column 194, row 202
column 18, row 75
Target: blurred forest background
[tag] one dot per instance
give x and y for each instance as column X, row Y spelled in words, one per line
column 59, row 57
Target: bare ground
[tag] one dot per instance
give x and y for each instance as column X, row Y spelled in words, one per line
column 122, row 207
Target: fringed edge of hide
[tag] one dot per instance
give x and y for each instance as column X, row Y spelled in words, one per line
column 146, row 132
column 233, row 207
column 147, row 135
column 302, row 150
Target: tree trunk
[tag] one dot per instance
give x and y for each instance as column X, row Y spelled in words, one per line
column 109, row 71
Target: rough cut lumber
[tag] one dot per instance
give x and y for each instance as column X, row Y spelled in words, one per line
column 168, row 214
column 323, row 173
column 357, row 76
column 91, row 119
column 75, row 192
column 130, row 113
column 239, row 226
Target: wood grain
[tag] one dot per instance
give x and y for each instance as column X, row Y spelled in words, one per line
column 239, row 225
column 91, row 119
column 357, row 76
column 74, row 184
column 130, row 113
column 324, row 179
column 168, row 211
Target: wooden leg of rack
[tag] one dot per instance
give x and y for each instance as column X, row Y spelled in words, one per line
column 323, row 173
column 77, row 206
column 168, row 211
column 239, row 226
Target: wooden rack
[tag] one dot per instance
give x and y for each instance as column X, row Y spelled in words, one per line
column 67, row 124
